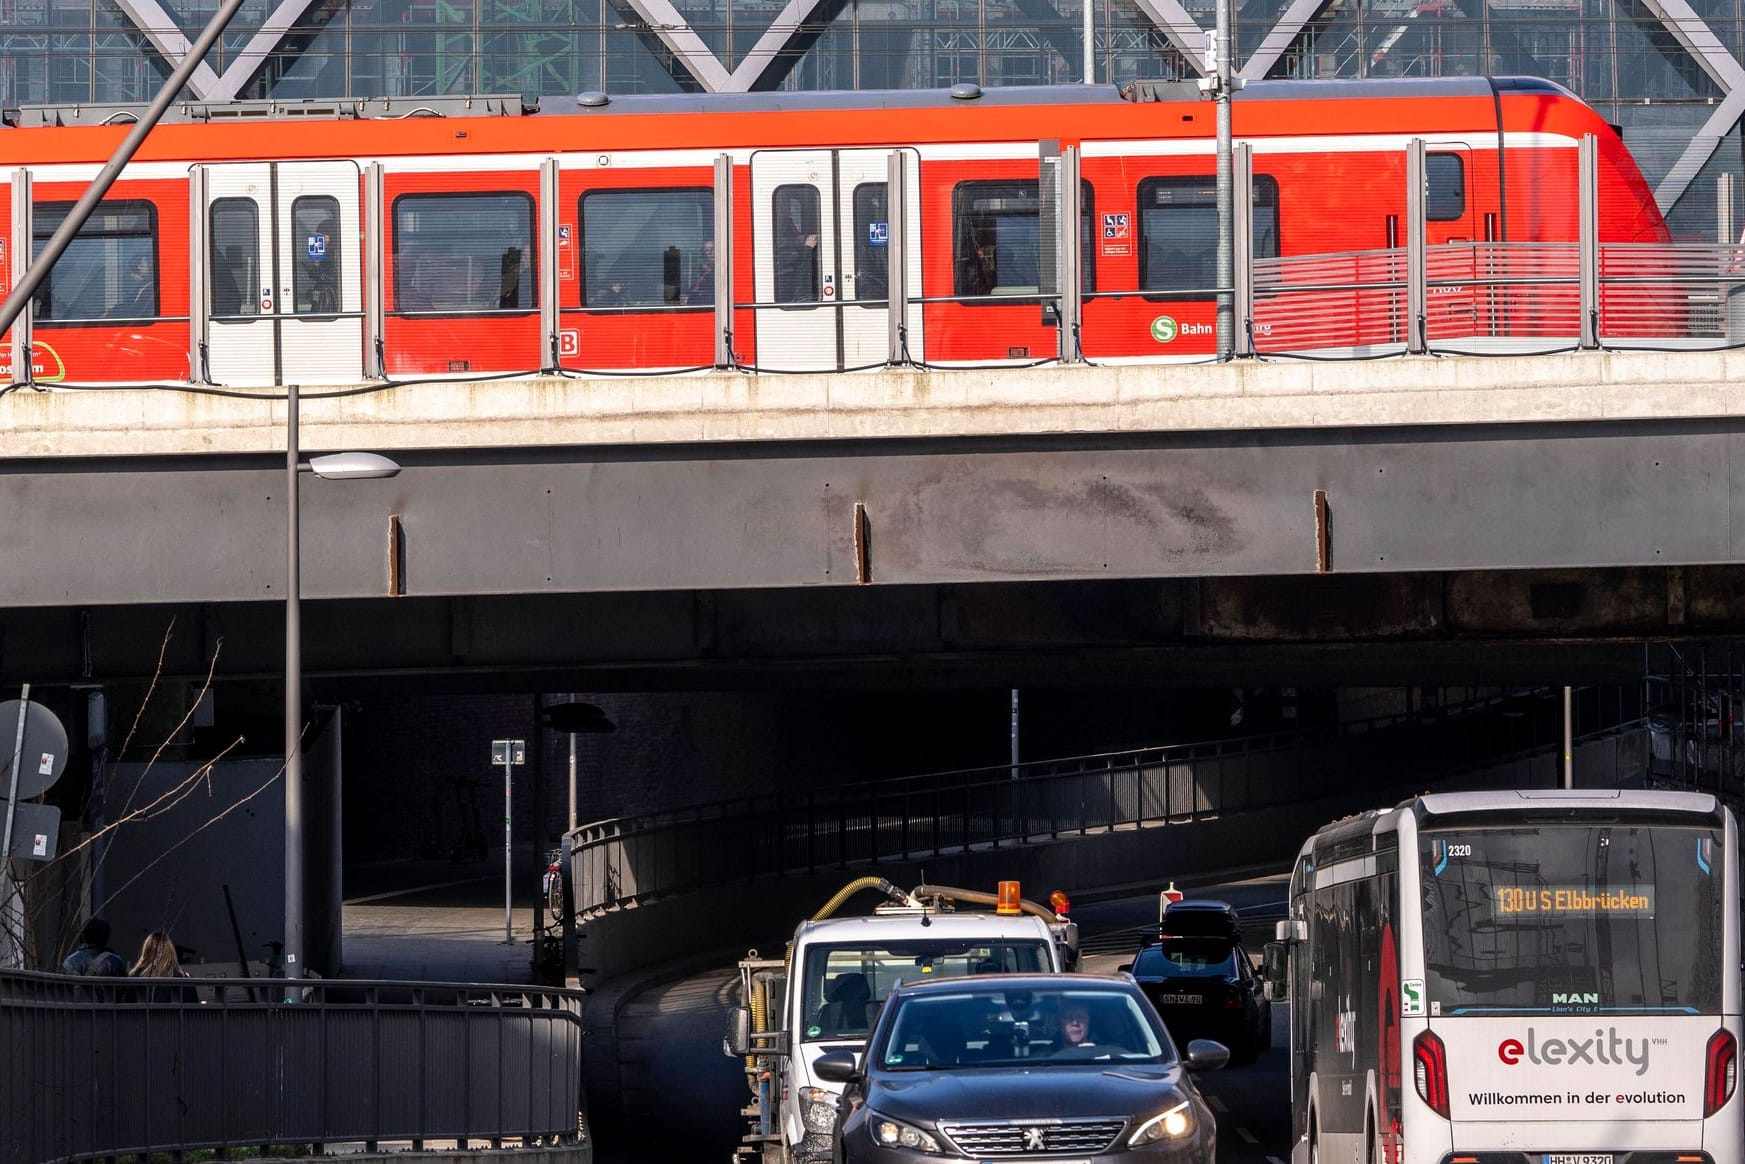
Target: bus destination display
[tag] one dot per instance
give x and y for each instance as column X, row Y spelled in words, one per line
column 1634, row 901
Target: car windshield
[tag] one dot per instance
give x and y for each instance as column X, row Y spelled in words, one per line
column 1001, row 1026
column 1186, row 958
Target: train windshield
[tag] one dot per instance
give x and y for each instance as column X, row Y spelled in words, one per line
column 1573, row 918
column 846, row 984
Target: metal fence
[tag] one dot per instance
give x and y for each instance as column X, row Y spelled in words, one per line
column 614, row 863
column 113, row 1067
column 1494, row 298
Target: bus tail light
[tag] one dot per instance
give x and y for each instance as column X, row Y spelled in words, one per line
column 1430, row 1072
column 1721, row 1072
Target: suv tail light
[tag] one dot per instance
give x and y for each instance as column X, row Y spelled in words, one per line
column 1430, row 1072
column 1720, row 1071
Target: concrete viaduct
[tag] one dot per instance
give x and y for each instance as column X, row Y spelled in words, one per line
column 1532, row 518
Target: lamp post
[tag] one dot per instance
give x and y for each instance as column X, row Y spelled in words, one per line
column 573, row 718
column 333, row 467
column 576, row 718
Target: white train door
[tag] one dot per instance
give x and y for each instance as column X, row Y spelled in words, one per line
column 820, row 225
column 284, row 279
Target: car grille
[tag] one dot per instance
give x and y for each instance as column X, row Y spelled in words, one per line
column 1033, row 1137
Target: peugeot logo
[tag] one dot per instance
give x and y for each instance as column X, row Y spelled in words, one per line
column 1033, row 1140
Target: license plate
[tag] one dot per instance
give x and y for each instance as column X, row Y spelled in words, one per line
column 1195, row 1000
column 1576, row 1158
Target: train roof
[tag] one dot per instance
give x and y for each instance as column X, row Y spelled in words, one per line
column 597, row 104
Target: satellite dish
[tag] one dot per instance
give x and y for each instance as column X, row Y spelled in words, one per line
column 44, row 757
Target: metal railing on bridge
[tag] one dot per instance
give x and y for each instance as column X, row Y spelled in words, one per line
column 105, row 1067
column 614, row 863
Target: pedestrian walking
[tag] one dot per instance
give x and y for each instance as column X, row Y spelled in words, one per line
column 92, row 957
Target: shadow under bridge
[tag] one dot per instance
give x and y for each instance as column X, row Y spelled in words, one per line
column 649, row 889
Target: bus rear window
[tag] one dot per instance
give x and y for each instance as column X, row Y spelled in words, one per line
column 1572, row 918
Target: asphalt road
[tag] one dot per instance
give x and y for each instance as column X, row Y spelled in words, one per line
column 679, row 1096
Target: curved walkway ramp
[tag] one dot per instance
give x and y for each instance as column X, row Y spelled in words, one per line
column 661, row 887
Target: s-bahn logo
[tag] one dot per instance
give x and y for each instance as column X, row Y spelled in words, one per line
column 1607, row 1046
column 1165, row 328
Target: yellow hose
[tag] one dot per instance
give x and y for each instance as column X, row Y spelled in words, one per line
column 854, row 887
column 759, row 1003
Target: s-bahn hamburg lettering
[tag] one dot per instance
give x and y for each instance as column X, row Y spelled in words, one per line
column 538, row 236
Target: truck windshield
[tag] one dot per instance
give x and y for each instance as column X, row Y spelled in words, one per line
column 846, row 984
column 1572, row 918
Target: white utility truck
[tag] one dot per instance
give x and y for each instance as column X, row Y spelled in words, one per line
column 824, row 994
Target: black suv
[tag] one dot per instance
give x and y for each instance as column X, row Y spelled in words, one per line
column 1026, row 1065
column 1201, row 979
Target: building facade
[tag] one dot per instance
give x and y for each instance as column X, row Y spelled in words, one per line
column 1667, row 72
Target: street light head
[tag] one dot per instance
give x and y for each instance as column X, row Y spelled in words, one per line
column 352, row 466
column 578, row 717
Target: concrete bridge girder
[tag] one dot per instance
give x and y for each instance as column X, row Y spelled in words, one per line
column 489, row 521
column 1480, row 626
column 946, row 526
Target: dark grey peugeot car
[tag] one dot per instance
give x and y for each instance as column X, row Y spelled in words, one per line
column 1060, row 1066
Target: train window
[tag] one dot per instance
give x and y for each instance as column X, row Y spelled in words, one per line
column 1178, row 233
column 316, row 252
column 464, row 253
column 648, row 248
column 872, row 220
column 108, row 271
column 996, row 231
column 233, row 263
column 796, row 244
column 1445, row 177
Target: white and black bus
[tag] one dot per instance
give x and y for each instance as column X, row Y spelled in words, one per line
column 1547, row 977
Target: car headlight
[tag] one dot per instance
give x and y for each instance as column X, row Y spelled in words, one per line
column 818, row 1109
column 1173, row 1124
column 890, row 1133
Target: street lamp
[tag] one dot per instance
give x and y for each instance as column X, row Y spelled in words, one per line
column 573, row 718
column 576, row 718
column 335, row 467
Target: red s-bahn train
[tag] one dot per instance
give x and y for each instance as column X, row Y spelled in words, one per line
column 405, row 238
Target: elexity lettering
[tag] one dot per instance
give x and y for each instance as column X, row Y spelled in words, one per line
column 1607, row 1046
